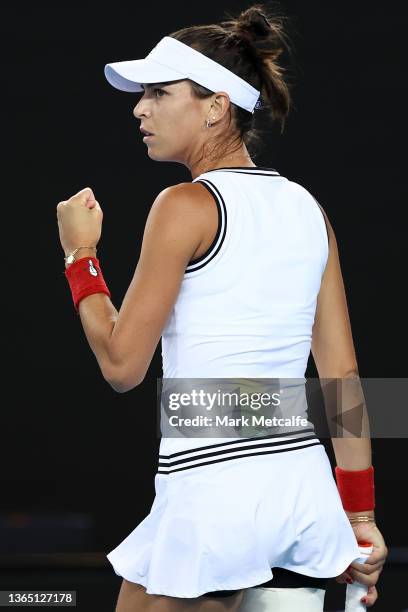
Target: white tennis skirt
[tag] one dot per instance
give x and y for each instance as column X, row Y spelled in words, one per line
column 225, row 513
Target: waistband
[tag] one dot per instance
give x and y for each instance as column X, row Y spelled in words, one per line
column 236, row 449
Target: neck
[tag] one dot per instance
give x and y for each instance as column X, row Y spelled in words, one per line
column 240, row 158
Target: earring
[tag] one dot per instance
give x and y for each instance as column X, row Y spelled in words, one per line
column 208, row 123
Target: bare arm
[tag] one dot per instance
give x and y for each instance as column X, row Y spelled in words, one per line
column 124, row 342
column 334, row 356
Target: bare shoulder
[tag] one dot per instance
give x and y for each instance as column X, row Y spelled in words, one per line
column 187, row 195
column 183, row 204
column 190, row 207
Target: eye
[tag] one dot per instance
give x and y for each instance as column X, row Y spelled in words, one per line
column 158, row 89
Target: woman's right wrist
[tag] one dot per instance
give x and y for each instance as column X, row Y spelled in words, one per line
column 357, row 491
column 362, row 513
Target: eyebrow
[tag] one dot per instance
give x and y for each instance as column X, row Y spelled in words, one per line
column 154, row 84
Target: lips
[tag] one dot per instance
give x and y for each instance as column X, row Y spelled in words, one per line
column 145, row 132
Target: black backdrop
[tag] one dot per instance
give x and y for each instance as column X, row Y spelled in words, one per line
column 68, row 441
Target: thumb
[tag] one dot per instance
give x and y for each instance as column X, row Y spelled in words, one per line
column 95, row 205
column 88, row 197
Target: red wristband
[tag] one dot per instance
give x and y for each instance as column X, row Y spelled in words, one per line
column 356, row 489
column 85, row 277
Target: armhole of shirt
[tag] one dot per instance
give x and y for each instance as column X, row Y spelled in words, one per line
column 213, row 249
column 327, row 234
column 325, row 222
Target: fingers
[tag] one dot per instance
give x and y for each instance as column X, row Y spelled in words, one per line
column 341, row 579
column 96, row 205
column 367, row 579
column 378, row 554
column 91, row 202
column 367, row 574
column 347, row 578
column 373, row 564
column 87, row 192
column 372, row 594
column 85, row 196
column 344, row 577
column 371, row 597
column 367, row 569
column 79, row 198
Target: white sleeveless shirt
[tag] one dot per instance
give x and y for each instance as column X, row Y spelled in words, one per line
column 246, row 307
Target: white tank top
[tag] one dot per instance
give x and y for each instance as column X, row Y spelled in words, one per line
column 246, row 307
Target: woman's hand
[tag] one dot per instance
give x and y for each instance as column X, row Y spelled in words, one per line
column 79, row 221
column 367, row 573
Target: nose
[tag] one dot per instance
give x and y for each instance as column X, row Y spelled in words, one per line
column 140, row 109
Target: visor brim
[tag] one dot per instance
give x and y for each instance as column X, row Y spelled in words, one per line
column 128, row 75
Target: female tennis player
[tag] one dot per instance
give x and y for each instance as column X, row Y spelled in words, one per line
column 239, row 276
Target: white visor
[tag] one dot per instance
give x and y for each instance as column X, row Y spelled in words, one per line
column 171, row 60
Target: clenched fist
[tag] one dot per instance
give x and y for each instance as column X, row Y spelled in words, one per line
column 369, row 572
column 79, row 221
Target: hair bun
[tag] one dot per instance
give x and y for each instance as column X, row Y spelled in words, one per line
column 253, row 24
column 261, row 29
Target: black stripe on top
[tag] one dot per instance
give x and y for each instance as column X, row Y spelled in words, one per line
column 211, row 252
column 236, row 449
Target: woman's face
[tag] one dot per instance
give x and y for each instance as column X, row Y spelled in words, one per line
column 176, row 119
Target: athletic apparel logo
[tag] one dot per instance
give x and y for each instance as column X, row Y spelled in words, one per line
column 92, row 270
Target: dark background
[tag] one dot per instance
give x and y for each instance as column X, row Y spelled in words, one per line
column 73, row 452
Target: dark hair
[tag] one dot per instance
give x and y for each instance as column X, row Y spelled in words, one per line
column 248, row 45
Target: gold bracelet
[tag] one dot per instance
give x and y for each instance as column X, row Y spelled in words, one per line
column 362, row 519
column 69, row 259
